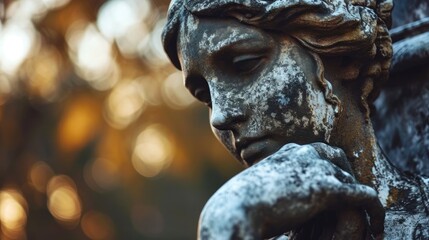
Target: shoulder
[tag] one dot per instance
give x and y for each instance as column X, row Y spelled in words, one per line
column 410, row 225
column 402, row 225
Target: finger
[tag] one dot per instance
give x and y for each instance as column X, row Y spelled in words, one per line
column 287, row 147
column 351, row 224
column 376, row 213
column 343, row 176
column 346, row 195
column 366, row 197
column 370, row 200
column 357, row 195
column 334, row 155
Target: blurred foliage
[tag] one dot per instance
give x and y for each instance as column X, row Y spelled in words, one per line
column 98, row 137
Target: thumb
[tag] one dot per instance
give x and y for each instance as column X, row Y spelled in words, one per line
column 333, row 154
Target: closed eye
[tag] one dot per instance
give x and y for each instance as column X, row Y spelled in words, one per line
column 247, row 63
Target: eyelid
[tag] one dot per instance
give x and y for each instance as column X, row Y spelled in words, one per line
column 246, row 57
column 247, row 63
column 242, row 47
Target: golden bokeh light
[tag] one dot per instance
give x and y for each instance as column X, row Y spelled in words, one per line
column 5, row 86
column 175, row 94
column 123, row 21
column 79, row 123
column 87, row 90
column 43, row 74
column 154, row 50
column 25, row 9
column 92, row 55
column 125, row 104
column 63, row 200
column 54, row 3
column 97, row 226
column 153, row 151
column 152, row 90
column 102, row 174
column 115, row 18
column 17, row 39
column 130, row 42
column 39, row 176
column 32, row 9
column 13, row 215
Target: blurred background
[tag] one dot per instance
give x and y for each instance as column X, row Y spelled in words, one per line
column 98, row 137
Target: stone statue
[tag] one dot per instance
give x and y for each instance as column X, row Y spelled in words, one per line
column 290, row 85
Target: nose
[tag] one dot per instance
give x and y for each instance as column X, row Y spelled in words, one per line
column 228, row 116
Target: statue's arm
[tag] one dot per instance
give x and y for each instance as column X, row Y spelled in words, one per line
column 284, row 191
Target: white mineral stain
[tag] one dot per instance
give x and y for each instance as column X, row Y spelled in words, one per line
column 305, row 121
column 288, row 117
column 383, row 194
column 357, row 154
column 299, row 98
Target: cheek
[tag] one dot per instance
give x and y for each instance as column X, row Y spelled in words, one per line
column 281, row 92
column 322, row 114
column 293, row 103
column 305, row 110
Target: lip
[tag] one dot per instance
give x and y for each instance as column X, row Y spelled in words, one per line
column 251, row 149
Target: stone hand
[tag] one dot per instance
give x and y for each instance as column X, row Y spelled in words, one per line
column 286, row 190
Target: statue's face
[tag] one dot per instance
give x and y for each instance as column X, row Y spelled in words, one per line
column 262, row 88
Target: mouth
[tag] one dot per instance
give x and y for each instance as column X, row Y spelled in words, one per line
column 251, row 149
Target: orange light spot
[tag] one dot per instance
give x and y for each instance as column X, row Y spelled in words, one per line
column 63, row 200
column 79, row 124
column 97, row 226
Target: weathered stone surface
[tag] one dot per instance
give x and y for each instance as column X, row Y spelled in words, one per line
column 402, row 119
column 286, row 189
column 278, row 73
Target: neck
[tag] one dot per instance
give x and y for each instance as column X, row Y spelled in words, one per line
column 355, row 135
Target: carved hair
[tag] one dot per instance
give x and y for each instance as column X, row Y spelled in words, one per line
column 355, row 29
